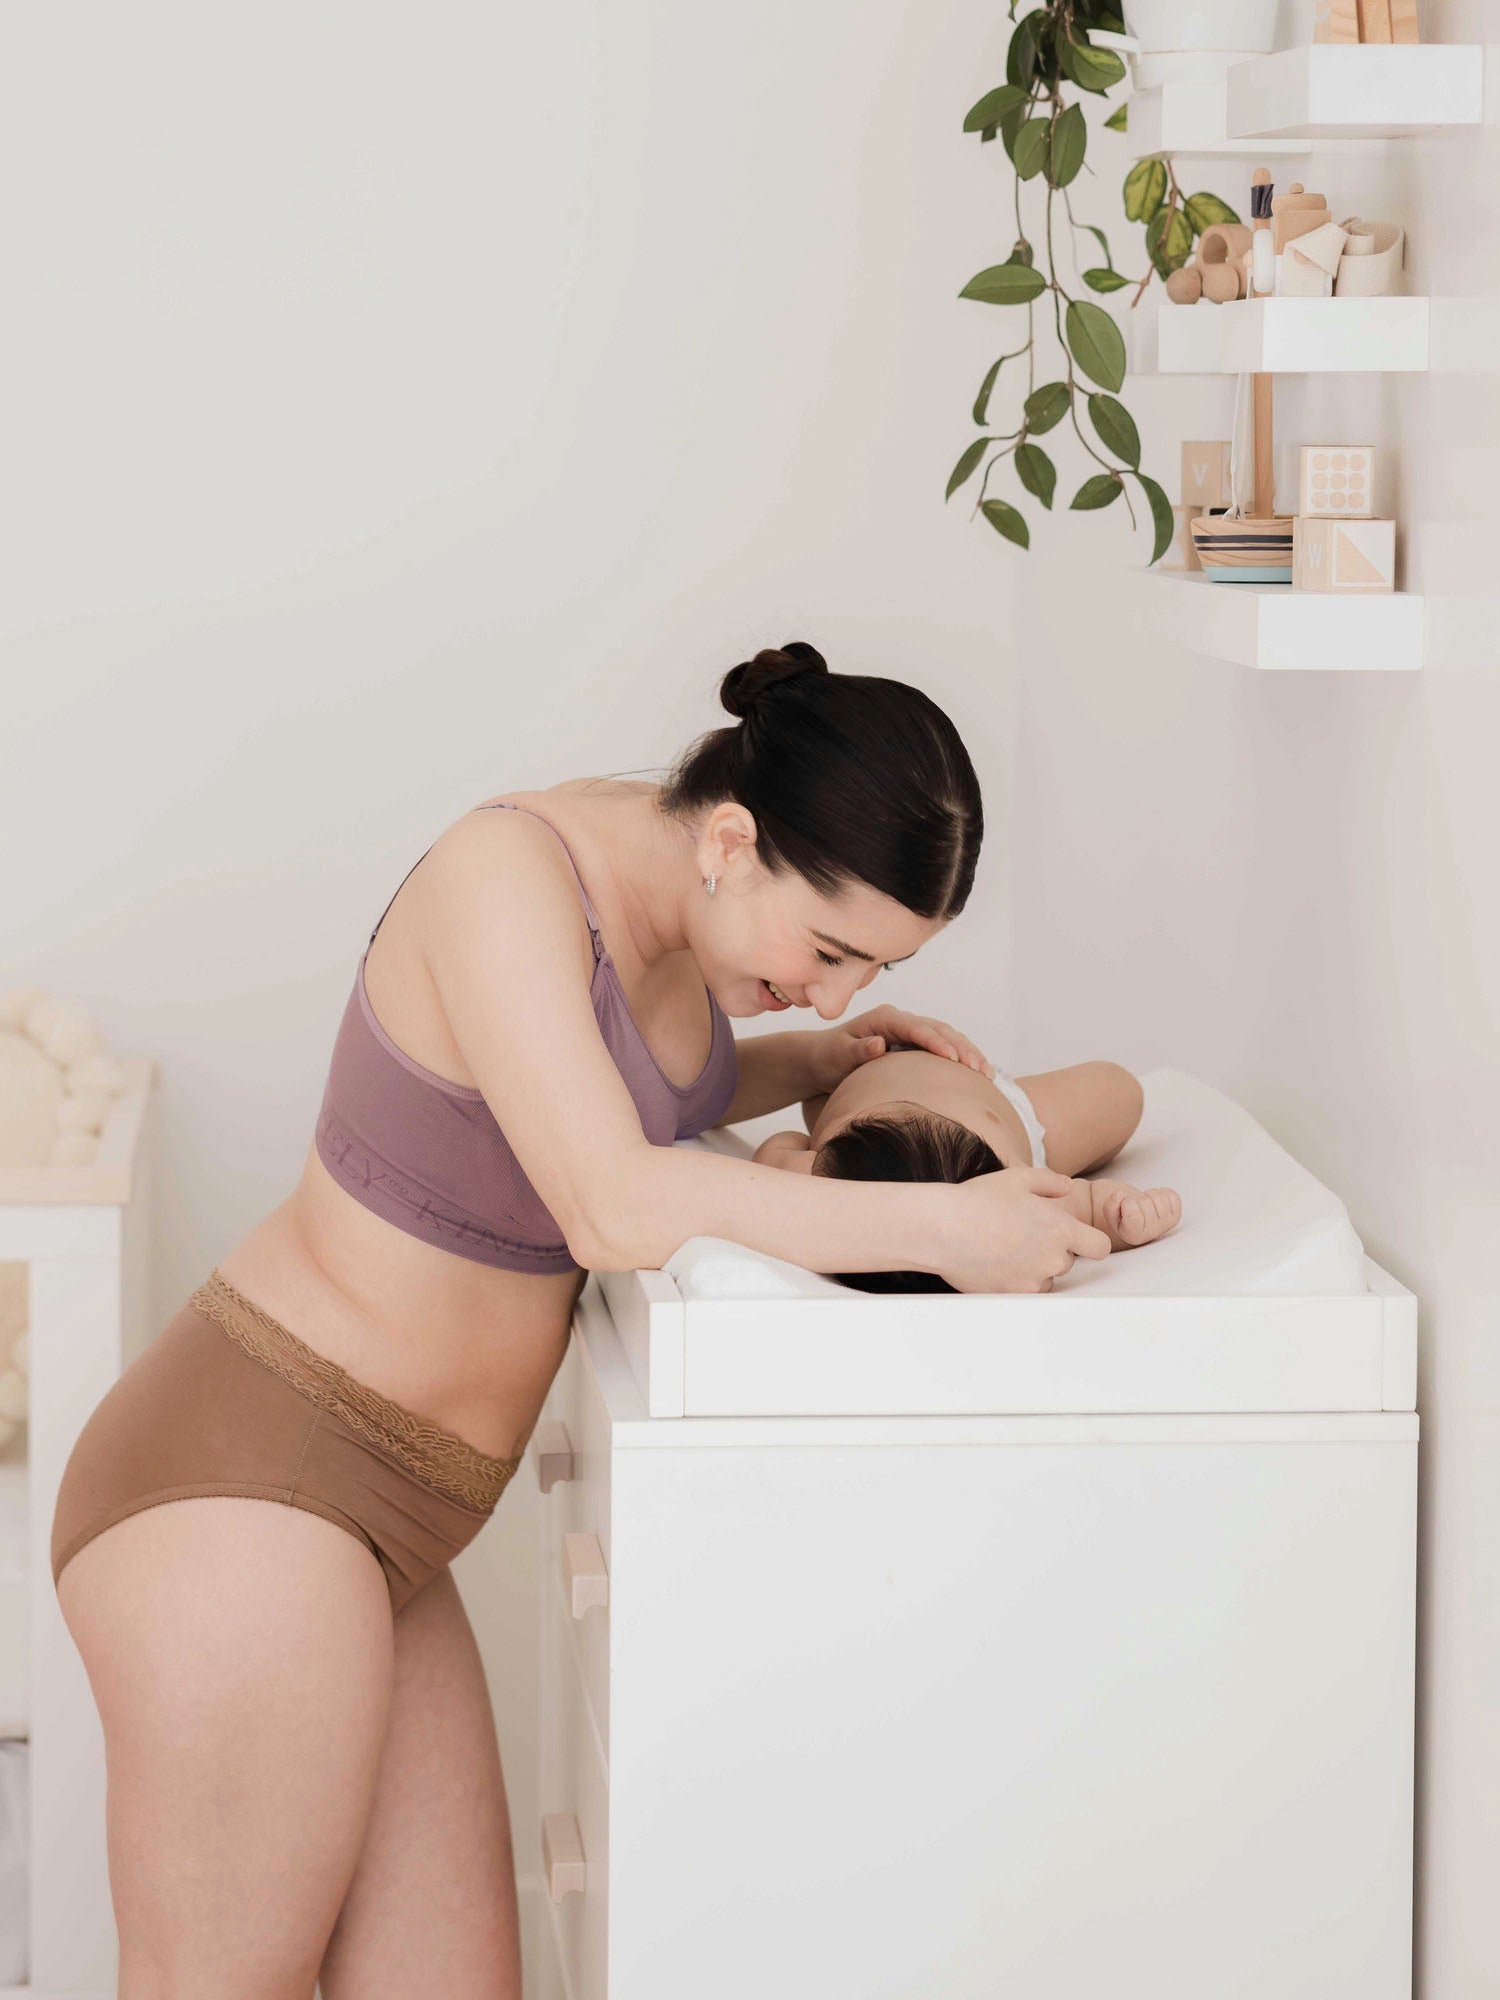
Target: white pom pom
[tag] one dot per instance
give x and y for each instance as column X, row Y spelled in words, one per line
column 15, row 1005
column 97, row 1073
column 74, row 1035
column 84, row 1113
column 73, row 1149
column 40, row 1016
column 13, row 1397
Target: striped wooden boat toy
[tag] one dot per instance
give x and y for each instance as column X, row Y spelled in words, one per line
column 1249, row 550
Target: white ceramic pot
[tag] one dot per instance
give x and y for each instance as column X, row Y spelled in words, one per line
column 1202, row 24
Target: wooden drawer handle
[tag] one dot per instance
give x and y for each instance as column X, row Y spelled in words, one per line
column 562, row 1855
column 554, row 1454
column 585, row 1579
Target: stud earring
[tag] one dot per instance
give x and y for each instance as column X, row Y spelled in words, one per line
column 711, row 884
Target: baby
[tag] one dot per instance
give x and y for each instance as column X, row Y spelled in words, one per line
column 912, row 1116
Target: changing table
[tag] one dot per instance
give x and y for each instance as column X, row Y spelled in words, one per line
column 951, row 1647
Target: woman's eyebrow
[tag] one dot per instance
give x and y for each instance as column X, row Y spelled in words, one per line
column 852, row 951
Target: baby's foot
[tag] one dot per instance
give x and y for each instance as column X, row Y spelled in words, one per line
column 1130, row 1216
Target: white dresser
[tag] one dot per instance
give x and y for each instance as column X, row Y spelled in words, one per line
column 954, row 1648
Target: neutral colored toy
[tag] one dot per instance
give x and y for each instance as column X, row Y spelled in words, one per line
column 1205, row 474
column 1336, row 21
column 1343, row 555
column 1370, row 264
column 1366, row 21
column 1336, row 479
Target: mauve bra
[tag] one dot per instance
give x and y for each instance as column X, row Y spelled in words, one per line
column 427, row 1155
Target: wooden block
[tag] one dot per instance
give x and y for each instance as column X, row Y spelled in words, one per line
column 1343, row 555
column 1336, row 21
column 1374, row 20
column 1336, row 480
column 1205, row 474
column 1404, row 21
column 1183, row 554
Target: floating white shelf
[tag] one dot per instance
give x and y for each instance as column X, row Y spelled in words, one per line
column 1361, row 92
column 1270, row 625
column 1192, row 118
column 1294, row 336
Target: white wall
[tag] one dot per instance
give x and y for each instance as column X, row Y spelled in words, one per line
column 1287, row 883
column 408, row 404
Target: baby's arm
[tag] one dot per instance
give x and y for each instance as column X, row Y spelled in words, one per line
column 1088, row 1113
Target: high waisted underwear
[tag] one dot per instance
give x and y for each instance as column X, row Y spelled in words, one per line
column 227, row 1400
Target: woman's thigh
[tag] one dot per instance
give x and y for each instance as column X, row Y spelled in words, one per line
column 241, row 1654
column 432, row 1906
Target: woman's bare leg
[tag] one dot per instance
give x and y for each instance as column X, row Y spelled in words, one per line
column 432, row 1906
column 240, row 1653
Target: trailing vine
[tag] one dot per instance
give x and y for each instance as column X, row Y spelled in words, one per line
column 1047, row 140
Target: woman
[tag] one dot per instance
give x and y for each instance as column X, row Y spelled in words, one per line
column 303, row 1776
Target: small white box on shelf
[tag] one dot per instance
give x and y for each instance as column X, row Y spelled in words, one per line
column 1336, row 479
column 1343, row 555
column 1205, row 475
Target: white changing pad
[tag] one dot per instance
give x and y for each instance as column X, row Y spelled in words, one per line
column 1254, row 1220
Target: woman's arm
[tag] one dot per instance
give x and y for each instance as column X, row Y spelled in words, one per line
column 796, row 1064
column 1088, row 1113
column 507, row 949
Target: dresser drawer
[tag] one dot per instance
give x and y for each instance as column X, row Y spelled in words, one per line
column 573, row 1788
column 578, row 1503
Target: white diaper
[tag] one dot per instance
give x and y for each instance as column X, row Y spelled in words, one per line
column 1008, row 1087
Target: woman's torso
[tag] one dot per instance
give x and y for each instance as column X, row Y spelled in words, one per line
column 472, row 1347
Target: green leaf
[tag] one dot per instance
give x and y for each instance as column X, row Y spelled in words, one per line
column 1100, row 238
column 1092, row 69
column 1169, row 240
column 1096, row 492
column 1046, row 406
column 1095, row 343
column 1069, row 140
column 1161, row 515
column 1104, row 281
column 1022, row 253
column 1145, row 188
column 982, row 400
column 992, row 107
column 1006, row 521
column 1031, row 147
column 1010, row 126
column 1023, row 57
column 1005, row 285
column 968, row 459
column 1204, row 210
column 1115, row 122
column 1037, row 472
column 1116, row 428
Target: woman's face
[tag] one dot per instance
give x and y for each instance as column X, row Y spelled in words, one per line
column 767, row 942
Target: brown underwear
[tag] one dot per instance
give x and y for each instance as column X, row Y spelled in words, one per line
column 226, row 1400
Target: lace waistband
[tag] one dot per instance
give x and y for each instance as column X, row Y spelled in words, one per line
column 444, row 1461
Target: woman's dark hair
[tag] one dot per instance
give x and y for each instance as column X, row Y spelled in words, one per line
column 921, row 1148
column 849, row 777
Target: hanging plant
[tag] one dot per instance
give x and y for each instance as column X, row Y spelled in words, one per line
column 1046, row 141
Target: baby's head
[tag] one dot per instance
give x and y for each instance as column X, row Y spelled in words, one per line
column 902, row 1141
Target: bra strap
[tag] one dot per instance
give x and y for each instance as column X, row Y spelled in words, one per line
column 591, row 915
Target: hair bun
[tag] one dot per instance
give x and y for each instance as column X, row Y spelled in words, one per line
column 744, row 687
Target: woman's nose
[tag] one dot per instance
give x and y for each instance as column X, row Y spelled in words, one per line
column 832, row 994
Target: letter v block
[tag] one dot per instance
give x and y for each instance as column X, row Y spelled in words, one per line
column 1343, row 555
column 1205, row 475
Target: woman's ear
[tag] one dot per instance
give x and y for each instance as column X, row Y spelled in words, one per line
column 727, row 840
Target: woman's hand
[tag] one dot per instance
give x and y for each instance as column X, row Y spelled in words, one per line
column 851, row 1043
column 1017, row 1234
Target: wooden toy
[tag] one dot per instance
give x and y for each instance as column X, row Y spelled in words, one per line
column 1205, row 475
column 1295, row 213
column 1252, row 545
column 1404, row 21
column 1183, row 553
column 1184, row 286
column 1374, row 20
column 1336, row 21
column 1221, row 250
column 1308, row 266
column 1370, row 265
column 1336, row 479
column 1343, row 555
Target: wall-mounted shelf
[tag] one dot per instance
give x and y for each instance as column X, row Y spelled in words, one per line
column 1294, row 336
column 1361, row 92
column 1272, row 626
column 1192, row 118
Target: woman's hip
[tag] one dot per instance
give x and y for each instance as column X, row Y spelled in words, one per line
column 227, row 1400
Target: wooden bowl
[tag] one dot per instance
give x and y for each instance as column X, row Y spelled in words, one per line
column 1248, row 550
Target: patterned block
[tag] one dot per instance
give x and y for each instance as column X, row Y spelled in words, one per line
column 1343, row 555
column 1205, row 475
column 1337, row 480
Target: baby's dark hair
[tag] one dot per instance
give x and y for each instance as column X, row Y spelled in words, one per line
column 922, row 1147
